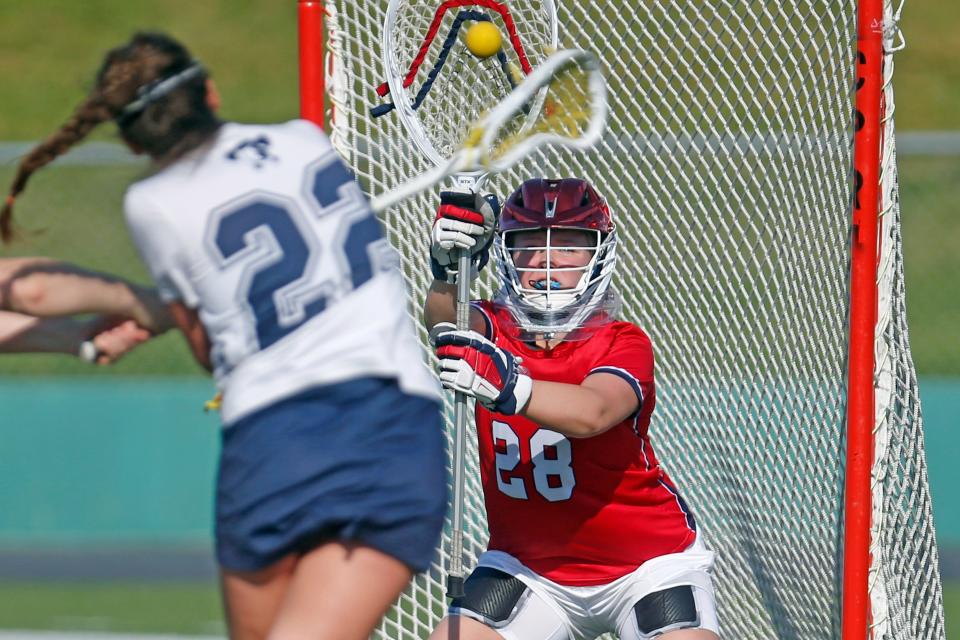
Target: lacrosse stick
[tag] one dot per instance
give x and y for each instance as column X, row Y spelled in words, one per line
column 455, row 88
column 561, row 101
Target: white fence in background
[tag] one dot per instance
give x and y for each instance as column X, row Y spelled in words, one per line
column 910, row 143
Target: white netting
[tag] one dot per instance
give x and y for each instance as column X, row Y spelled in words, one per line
column 905, row 588
column 727, row 164
column 448, row 69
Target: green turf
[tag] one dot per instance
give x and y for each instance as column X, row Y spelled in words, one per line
column 50, row 50
column 173, row 608
column 251, row 47
column 77, row 212
column 951, row 607
column 929, row 192
column 136, row 607
column 927, row 71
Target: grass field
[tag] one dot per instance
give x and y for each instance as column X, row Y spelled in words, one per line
column 146, row 608
column 190, row 609
column 249, row 44
column 76, row 209
column 49, row 51
column 929, row 191
column 927, row 76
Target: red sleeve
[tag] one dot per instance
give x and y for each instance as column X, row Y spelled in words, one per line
column 630, row 357
column 485, row 307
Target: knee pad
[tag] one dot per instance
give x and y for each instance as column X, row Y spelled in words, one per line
column 667, row 610
column 493, row 595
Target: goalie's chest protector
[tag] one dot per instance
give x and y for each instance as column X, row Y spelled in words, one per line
column 580, row 511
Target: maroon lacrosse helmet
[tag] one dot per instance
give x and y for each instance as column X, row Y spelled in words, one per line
column 540, row 203
column 539, row 303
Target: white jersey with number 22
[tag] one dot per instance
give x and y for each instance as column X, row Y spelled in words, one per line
column 266, row 233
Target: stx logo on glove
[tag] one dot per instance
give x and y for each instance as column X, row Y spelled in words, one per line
column 471, row 364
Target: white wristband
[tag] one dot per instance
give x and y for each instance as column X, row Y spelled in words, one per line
column 523, row 391
column 88, row 351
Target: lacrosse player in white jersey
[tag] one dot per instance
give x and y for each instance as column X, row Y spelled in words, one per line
column 331, row 490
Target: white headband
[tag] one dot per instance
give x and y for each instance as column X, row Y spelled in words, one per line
column 153, row 91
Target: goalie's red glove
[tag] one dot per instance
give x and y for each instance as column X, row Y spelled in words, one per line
column 465, row 220
column 473, row 365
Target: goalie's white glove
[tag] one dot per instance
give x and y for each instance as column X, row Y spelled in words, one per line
column 465, row 220
column 473, row 365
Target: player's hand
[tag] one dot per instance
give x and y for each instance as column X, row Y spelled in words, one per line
column 111, row 340
column 473, row 365
column 465, row 221
column 149, row 311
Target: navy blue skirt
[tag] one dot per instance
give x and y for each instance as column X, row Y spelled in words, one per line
column 359, row 460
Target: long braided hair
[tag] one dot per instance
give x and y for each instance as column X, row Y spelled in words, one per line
column 155, row 92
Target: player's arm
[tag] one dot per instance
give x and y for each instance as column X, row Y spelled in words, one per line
column 44, row 287
column 106, row 340
column 599, row 403
column 188, row 321
column 26, row 334
column 10, row 266
column 464, row 221
column 471, row 364
column 440, row 305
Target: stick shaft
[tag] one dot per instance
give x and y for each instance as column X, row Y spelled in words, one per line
column 455, row 568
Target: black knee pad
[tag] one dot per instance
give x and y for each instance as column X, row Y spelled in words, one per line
column 491, row 594
column 667, row 610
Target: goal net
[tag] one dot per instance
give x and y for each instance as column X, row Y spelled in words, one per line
column 727, row 165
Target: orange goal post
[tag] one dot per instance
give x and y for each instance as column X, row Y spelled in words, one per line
column 750, row 163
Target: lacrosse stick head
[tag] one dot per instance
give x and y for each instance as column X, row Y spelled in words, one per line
column 562, row 102
column 438, row 87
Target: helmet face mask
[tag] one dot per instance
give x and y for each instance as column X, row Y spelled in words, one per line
column 556, row 250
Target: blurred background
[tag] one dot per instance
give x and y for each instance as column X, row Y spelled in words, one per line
column 106, row 474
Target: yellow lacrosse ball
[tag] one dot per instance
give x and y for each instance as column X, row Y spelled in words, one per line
column 483, row 39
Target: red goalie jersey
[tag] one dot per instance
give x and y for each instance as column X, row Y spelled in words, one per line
column 579, row 511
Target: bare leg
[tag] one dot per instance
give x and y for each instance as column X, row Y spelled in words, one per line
column 463, row 628
column 9, row 268
column 339, row 591
column 251, row 600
